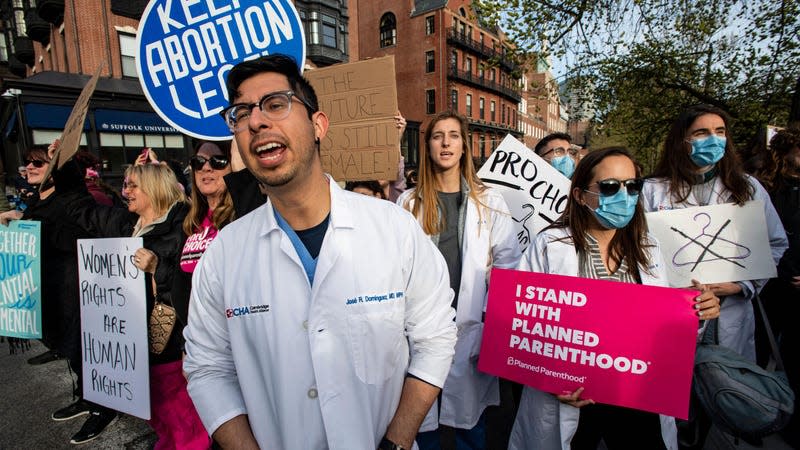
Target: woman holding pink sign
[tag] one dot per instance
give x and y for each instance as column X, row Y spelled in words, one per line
column 601, row 235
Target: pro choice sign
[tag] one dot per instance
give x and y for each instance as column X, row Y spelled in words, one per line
column 626, row 344
column 185, row 49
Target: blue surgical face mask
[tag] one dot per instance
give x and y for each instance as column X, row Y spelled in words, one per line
column 708, row 150
column 615, row 211
column 564, row 164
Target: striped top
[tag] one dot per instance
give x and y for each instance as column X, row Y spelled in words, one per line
column 591, row 265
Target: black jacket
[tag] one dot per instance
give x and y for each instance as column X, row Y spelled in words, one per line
column 787, row 204
column 165, row 240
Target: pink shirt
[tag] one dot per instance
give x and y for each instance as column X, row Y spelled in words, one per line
column 197, row 243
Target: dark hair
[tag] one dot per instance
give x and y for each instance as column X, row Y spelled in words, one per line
column 776, row 171
column 628, row 242
column 277, row 63
column 372, row 185
column 551, row 137
column 677, row 167
column 37, row 152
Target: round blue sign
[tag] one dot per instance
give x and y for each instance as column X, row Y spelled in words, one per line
column 185, row 49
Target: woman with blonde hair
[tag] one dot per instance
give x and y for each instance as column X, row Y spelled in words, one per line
column 473, row 229
column 156, row 210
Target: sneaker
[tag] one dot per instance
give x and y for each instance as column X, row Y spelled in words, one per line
column 94, row 426
column 72, row 411
column 46, row 357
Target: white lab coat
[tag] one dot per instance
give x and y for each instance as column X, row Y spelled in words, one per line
column 543, row 422
column 736, row 321
column 319, row 366
column 488, row 241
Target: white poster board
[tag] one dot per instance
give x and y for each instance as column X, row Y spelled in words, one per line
column 536, row 193
column 714, row 244
column 114, row 345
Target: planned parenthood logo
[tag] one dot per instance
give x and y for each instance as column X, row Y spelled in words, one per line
column 185, row 49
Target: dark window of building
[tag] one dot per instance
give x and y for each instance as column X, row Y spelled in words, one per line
column 502, row 113
column 430, row 25
column 127, row 52
column 454, row 100
column 481, row 105
column 468, row 103
column 430, row 101
column 482, row 146
column 388, row 28
column 491, row 111
column 491, row 74
column 454, row 60
column 430, row 62
column 3, row 48
column 468, row 65
column 462, row 11
column 329, row 31
column 480, row 71
column 462, row 28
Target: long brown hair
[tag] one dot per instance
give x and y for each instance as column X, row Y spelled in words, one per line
column 223, row 214
column 677, row 166
column 776, row 172
column 628, row 242
column 425, row 193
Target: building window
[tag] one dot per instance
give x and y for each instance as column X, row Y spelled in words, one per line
column 430, row 25
column 430, row 62
column 482, row 146
column 480, row 71
column 3, row 48
column 491, row 74
column 329, row 31
column 462, row 29
column 468, row 65
column 502, row 114
column 388, row 30
column 454, row 100
column 454, row 60
column 481, row 105
column 468, row 103
column 491, row 111
column 430, row 101
column 127, row 52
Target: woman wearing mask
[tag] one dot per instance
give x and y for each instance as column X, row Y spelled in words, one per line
column 156, row 210
column 601, row 235
column 700, row 167
column 211, row 209
column 472, row 226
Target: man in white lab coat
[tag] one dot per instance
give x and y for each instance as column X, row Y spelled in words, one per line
column 322, row 319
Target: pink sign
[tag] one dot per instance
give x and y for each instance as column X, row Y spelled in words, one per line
column 626, row 344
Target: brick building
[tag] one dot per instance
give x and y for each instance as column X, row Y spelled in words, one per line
column 444, row 59
column 540, row 111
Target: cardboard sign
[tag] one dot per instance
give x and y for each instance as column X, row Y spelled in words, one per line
column 116, row 370
column 71, row 136
column 360, row 100
column 186, row 48
column 714, row 244
column 536, row 193
column 20, row 279
column 626, row 344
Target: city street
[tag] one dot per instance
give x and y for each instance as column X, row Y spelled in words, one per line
column 31, row 393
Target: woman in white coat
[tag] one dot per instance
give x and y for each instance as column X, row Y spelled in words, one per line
column 698, row 167
column 601, row 235
column 472, row 227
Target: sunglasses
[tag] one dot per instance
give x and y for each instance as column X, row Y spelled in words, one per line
column 611, row 186
column 217, row 162
column 38, row 163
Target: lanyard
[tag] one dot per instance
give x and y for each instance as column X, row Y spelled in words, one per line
column 309, row 263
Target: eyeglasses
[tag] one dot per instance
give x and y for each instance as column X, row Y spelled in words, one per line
column 611, row 186
column 217, row 162
column 561, row 151
column 38, row 163
column 274, row 106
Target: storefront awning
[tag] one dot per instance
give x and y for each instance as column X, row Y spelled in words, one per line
column 52, row 117
column 117, row 121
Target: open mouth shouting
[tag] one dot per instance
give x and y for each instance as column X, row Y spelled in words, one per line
column 270, row 154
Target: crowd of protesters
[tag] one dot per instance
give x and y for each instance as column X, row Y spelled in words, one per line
column 320, row 367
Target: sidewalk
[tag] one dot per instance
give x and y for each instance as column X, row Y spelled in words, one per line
column 31, row 393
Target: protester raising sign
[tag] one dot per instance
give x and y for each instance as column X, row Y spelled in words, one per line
column 715, row 243
column 186, row 48
column 20, row 280
column 536, row 193
column 559, row 333
column 360, row 100
column 116, row 371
